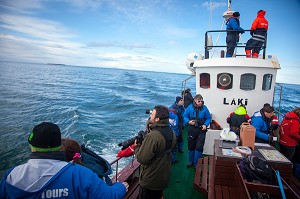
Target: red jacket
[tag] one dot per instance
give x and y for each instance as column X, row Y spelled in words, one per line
column 260, row 21
column 290, row 130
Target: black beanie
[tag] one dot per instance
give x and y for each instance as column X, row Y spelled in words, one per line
column 236, row 14
column 178, row 98
column 45, row 137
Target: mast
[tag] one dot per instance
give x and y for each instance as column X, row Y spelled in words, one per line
column 229, row 2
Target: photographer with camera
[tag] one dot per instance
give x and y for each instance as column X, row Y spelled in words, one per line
column 154, row 154
column 198, row 117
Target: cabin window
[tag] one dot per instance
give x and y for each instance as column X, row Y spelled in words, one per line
column 224, row 81
column 247, row 82
column 267, row 82
column 205, row 80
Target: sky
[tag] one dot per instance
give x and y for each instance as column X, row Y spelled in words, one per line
column 150, row 35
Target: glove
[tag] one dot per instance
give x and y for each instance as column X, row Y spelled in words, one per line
column 270, row 138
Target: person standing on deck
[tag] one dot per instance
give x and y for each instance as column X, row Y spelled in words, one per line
column 198, row 117
column 261, row 121
column 179, row 109
column 233, row 23
column 48, row 175
column 236, row 118
column 155, row 155
column 290, row 133
column 173, row 121
column 187, row 97
column 258, row 32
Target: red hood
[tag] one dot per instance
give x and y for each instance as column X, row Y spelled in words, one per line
column 291, row 115
column 261, row 13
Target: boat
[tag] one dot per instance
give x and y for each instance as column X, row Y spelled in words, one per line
column 224, row 84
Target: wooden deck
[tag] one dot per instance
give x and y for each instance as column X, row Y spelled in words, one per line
column 215, row 177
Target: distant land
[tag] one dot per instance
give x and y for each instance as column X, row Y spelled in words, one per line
column 56, row 64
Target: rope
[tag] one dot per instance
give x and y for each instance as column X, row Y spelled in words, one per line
column 218, row 38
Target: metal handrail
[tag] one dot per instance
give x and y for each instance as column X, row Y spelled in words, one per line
column 183, row 85
column 116, row 161
column 264, row 46
column 278, row 111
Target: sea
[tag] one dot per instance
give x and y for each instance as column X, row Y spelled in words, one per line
column 98, row 107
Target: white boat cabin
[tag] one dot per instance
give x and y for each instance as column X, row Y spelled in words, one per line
column 226, row 83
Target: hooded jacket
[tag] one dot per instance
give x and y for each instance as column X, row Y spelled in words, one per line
column 262, row 124
column 48, row 178
column 155, row 169
column 236, row 118
column 203, row 113
column 290, row 130
column 259, row 26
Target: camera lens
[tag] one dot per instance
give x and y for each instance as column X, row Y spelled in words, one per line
column 148, row 111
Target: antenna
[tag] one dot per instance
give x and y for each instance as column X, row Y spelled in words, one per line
column 229, row 12
column 229, row 2
column 210, row 16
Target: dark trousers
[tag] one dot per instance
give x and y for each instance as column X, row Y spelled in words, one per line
column 254, row 45
column 149, row 194
column 288, row 151
column 231, row 41
column 196, row 138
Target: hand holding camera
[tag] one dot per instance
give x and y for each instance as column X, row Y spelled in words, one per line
column 137, row 139
column 192, row 122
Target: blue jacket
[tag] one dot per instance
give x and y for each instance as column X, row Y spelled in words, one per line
column 180, row 111
column 190, row 113
column 173, row 122
column 260, row 125
column 47, row 178
column 233, row 24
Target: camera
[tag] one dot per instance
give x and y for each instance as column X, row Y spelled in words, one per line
column 199, row 123
column 148, row 111
column 140, row 137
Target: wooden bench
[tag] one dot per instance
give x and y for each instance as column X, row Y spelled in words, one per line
column 204, row 174
column 205, row 182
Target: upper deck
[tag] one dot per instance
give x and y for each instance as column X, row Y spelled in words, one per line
column 226, row 83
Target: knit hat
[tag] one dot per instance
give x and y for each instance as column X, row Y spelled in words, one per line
column 178, row 98
column 236, row 14
column 45, row 137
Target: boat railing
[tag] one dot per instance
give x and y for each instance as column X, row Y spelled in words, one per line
column 116, row 162
column 278, row 90
column 183, row 85
column 209, row 45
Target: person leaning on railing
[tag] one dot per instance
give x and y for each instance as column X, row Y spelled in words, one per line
column 233, row 23
column 258, row 32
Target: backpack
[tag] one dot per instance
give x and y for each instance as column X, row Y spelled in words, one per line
column 97, row 164
column 255, row 169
